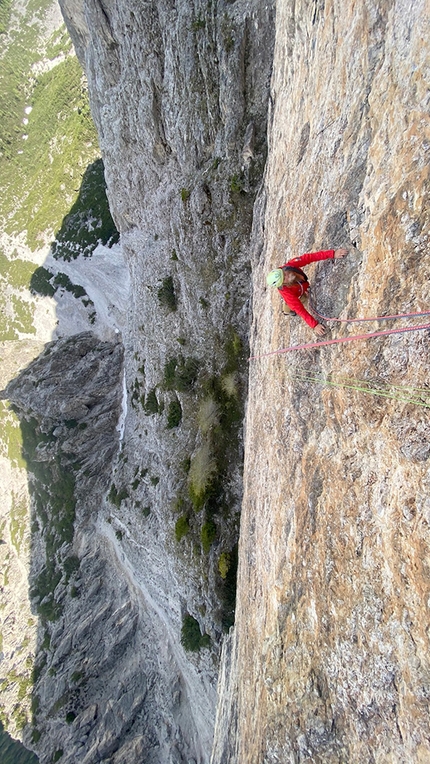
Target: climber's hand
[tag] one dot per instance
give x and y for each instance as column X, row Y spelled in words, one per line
column 340, row 253
column 319, row 329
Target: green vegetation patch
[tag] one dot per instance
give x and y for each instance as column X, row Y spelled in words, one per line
column 62, row 280
column 22, row 316
column 167, row 295
column 202, row 471
column 16, row 312
column 151, row 405
column 224, row 564
column 48, row 139
column 116, row 497
column 16, row 272
column 89, row 221
column 59, row 43
column 11, row 436
column 60, row 138
column 18, row 520
column 174, row 414
column 226, row 587
column 15, row 69
column 181, row 374
column 5, row 11
column 208, row 535
column 208, row 415
column 182, row 527
column 236, row 184
column 41, row 282
column 191, row 637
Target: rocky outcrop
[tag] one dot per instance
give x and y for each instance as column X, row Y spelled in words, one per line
column 329, row 657
column 95, row 696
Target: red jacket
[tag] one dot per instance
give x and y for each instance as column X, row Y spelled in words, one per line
column 292, row 294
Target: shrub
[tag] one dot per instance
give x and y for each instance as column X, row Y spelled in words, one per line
column 46, row 581
column 151, row 405
column 40, row 282
column 234, row 350
column 229, row 385
column 236, row 184
column 71, row 565
column 117, row 497
column 62, row 279
column 174, row 414
column 182, row 527
column 170, row 373
column 224, row 563
column 181, row 374
column 191, row 637
column 202, row 471
column 208, row 415
column 227, row 590
column 186, row 374
column 199, row 23
column 179, row 505
column 207, row 535
column 185, row 464
column 166, row 294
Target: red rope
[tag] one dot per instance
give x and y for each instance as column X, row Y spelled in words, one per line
column 346, row 339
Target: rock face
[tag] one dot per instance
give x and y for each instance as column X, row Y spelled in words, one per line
column 95, row 695
column 329, row 660
column 137, row 487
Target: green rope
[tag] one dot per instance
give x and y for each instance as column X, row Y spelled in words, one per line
column 401, row 393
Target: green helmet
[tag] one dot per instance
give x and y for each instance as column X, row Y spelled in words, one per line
column 275, row 278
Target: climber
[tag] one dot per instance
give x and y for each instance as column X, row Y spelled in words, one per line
column 293, row 284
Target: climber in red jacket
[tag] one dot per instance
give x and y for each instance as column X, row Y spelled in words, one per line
column 292, row 283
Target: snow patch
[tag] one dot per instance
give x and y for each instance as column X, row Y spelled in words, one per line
column 121, row 421
column 106, row 280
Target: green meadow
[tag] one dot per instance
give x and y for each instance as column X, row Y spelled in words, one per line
column 51, row 172
column 42, row 160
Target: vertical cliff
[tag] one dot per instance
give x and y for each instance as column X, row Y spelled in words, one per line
column 329, row 659
column 132, row 577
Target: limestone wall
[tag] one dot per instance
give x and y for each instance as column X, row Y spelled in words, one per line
column 330, row 650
